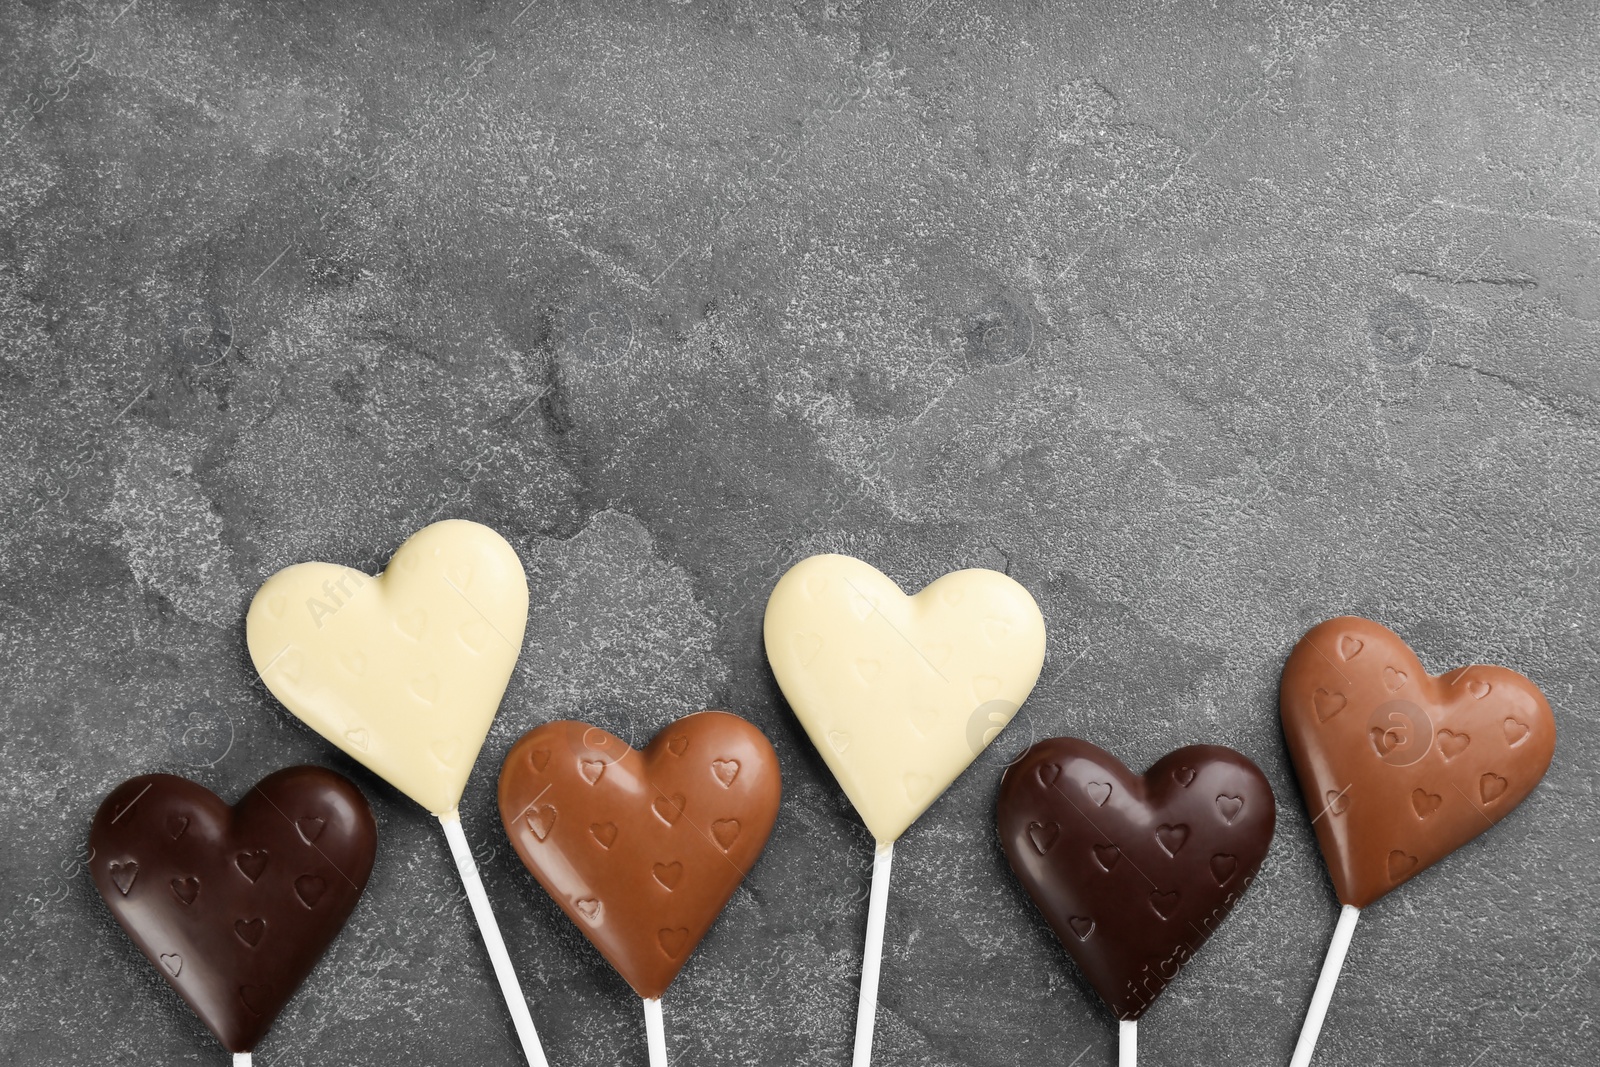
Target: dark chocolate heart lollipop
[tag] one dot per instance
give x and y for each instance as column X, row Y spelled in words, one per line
column 642, row 849
column 1133, row 872
column 234, row 906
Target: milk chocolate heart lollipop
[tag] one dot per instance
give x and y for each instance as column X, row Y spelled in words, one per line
column 1399, row 767
column 899, row 694
column 234, row 906
column 642, row 849
column 405, row 672
column 1133, row 872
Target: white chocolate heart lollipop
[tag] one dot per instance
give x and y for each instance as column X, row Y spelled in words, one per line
column 405, row 672
column 899, row 694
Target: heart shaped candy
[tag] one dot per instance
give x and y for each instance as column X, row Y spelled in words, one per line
column 405, row 671
column 641, row 849
column 900, row 693
column 1133, row 873
column 1399, row 767
column 234, row 906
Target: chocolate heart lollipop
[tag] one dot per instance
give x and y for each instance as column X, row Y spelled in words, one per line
column 234, row 906
column 1399, row 767
column 899, row 694
column 405, row 672
column 1133, row 872
column 642, row 849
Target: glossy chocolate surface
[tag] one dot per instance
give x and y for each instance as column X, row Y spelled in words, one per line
column 234, row 905
column 642, row 849
column 1398, row 767
column 1133, row 873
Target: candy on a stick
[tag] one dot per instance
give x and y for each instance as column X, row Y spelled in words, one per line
column 899, row 694
column 233, row 906
column 1133, row 872
column 1399, row 767
column 642, row 849
column 404, row 672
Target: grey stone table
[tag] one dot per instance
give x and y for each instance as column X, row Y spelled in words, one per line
column 1205, row 322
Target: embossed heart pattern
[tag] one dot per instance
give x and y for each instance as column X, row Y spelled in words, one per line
column 404, row 671
column 1398, row 767
column 1133, row 872
column 900, row 693
column 641, row 849
column 233, row 906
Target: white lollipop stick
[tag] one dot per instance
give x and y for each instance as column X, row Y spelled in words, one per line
column 1331, row 966
column 241, row 1059
column 509, row 986
column 655, row 1033
column 872, row 958
column 1127, row 1042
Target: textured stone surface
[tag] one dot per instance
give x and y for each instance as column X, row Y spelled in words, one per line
column 1203, row 322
